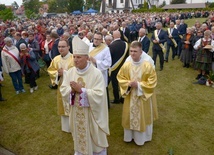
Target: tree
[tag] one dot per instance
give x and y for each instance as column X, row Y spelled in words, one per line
column 95, row 4
column 146, row 5
column 163, row 4
column 60, row 6
column 6, row 14
column 178, row 1
column 2, row 7
column 75, row 5
column 211, row 5
column 32, row 5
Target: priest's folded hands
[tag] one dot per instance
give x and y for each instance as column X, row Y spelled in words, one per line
column 76, row 87
column 133, row 84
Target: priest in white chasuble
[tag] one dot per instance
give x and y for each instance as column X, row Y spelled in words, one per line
column 64, row 61
column 137, row 80
column 84, row 88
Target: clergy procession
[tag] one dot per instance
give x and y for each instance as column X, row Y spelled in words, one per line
column 94, row 63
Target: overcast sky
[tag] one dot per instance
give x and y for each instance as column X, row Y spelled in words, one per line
column 9, row 2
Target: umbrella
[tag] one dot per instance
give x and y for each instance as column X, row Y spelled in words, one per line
column 77, row 12
column 91, row 11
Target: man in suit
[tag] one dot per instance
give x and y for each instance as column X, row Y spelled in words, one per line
column 144, row 40
column 184, row 27
column 117, row 28
column 54, row 51
column 181, row 31
column 118, row 49
column 158, row 38
column 126, row 32
column 172, row 40
column 67, row 36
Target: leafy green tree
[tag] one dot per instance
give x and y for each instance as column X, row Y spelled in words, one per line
column 60, row 6
column 95, row 4
column 6, row 14
column 2, row 7
column 75, row 5
column 211, row 5
column 32, row 5
column 178, row 1
column 163, row 4
column 146, row 5
column 53, row 7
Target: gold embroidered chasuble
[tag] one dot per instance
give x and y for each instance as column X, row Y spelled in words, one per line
column 137, row 113
column 89, row 125
column 57, row 63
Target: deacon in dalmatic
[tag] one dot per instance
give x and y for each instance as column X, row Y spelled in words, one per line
column 137, row 80
column 62, row 62
column 85, row 89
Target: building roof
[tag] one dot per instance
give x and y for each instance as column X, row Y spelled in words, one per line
column 185, row 6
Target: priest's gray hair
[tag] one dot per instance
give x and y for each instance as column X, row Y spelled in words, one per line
column 108, row 37
column 158, row 23
column 22, row 46
column 8, row 39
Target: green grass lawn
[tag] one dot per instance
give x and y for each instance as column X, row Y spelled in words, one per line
column 29, row 124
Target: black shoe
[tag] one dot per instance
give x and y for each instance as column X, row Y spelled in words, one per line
column 187, row 66
column 2, row 99
column 199, row 76
column 121, row 100
column 166, row 60
column 53, row 87
column 115, row 102
column 184, row 65
column 161, row 68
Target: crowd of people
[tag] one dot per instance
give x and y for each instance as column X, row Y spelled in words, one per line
column 84, row 53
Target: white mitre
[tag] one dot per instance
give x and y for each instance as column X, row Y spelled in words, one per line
column 79, row 46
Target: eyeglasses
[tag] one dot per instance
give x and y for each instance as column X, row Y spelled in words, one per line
column 80, row 34
column 97, row 39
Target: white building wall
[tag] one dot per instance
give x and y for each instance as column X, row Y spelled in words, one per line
column 160, row 2
column 120, row 5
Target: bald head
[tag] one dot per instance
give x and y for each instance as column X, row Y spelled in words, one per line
column 116, row 34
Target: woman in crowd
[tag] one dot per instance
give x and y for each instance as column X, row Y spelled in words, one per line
column 11, row 64
column 187, row 47
column 29, row 65
column 204, row 47
column 46, row 47
column 199, row 35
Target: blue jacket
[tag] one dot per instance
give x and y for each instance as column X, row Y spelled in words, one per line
column 31, row 60
column 175, row 35
column 145, row 44
column 60, row 31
